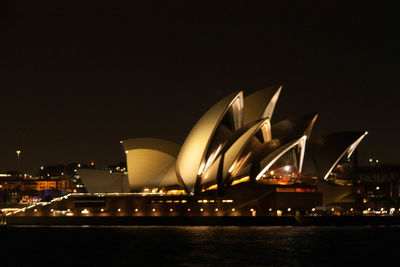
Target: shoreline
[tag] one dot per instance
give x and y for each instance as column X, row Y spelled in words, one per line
column 205, row 220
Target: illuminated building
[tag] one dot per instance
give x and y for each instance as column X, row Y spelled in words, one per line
column 234, row 160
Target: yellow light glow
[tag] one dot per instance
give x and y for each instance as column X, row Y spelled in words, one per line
column 212, row 187
column 241, row 180
column 233, row 209
column 175, row 192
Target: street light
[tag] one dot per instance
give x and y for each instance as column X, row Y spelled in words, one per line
column 18, row 163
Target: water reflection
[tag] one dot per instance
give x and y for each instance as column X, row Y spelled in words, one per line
column 199, row 246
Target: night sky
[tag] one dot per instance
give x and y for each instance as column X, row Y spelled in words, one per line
column 78, row 78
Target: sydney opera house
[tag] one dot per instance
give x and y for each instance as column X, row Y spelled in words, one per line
column 234, row 162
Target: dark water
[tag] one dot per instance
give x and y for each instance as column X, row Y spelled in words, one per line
column 200, row 246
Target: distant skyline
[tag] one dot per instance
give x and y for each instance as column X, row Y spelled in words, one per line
column 80, row 78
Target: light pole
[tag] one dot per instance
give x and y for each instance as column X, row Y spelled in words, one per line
column 18, row 164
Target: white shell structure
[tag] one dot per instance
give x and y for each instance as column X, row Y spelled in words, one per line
column 147, row 158
column 261, row 104
column 102, row 181
column 269, row 160
column 232, row 141
column 235, row 156
column 191, row 160
column 328, row 150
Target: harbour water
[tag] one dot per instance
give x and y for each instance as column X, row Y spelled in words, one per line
column 200, row 246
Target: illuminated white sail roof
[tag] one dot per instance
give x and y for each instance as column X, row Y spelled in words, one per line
column 261, row 104
column 191, row 159
column 328, row 150
column 147, row 158
column 102, row 181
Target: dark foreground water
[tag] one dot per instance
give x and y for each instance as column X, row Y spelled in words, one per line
column 200, row 246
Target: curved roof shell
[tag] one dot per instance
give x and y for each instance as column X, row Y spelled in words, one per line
column 326, row 151
column 286, row 135
column 294, row 128
column 261, row 104
column 147, row 158
column 271, row 158
column 237, row 155
column 102, row 181
column 192, row 156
